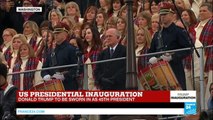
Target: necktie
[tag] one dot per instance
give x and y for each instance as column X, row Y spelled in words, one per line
column 111, row 52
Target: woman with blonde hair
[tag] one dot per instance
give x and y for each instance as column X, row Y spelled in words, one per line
column 26, row 60
column 123, row 11
column 7, row 36
column 181, row 4
column 72, row 10
column 54, row 16
column 101, row 18
column 155, row 23
column 17, row 40
column 143, row 42
column 31, row 31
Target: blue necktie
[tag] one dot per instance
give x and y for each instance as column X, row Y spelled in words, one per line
column 111, row 52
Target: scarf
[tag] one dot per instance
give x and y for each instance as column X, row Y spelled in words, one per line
column 31, row 64
column 33, row 42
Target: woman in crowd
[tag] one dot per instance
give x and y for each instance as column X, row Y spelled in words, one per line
column 180, row 3
column 115, row 7
column 121, row 26
column 143, row 41
column 26, row 60
column 92, row 48
column 76, row 31
column 143, row 5
column 190, row 21
column 177, row 20
column 84, row 26
column 72, row 10
column 59, row 5
column 110, row 23
column 154, row 8
column 144, row 20
column 101, row 21
column 67, row 20
column 45, row 25
column 90, row 15
column 17, row 40
column 123, row 12
column 155, row 23
column 7, row 36
column 54, row 16
column 31, row 31
column 47, row 45
column 105, row 5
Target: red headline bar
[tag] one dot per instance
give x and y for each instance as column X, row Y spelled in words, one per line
column 93, row 96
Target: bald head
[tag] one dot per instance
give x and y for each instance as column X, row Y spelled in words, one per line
column 112, row 37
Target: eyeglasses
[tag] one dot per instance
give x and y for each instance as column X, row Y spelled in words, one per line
column 6, row 35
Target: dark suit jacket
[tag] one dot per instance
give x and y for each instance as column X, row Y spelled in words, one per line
column 114, row 72
column 65, row 55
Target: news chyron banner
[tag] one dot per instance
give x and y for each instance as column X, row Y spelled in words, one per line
column 106, row 102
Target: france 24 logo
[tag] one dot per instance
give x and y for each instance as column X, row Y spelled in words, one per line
column 190, row 108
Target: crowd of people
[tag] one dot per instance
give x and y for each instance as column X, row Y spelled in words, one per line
column 61, row 34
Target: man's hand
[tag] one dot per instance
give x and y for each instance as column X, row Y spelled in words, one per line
column 153, row 60
column 47, row 77
column 58, row 76
column 166, row 57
